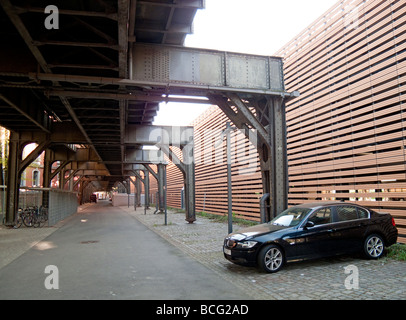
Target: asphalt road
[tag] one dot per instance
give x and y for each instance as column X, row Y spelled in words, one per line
column 105, row 253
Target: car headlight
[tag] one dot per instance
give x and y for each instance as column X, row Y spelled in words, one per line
column 246, row 244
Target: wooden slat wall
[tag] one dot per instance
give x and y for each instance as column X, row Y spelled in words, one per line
column 346, row 132
column 211, row 169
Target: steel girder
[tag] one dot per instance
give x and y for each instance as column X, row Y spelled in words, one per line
column 250, row 84
column 262, row 119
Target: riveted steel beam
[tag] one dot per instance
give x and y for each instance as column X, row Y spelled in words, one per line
column 262, row 119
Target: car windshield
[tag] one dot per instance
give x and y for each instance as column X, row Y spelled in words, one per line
column 290, row 217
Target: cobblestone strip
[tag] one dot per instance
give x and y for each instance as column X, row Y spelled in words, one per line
column 324, row 279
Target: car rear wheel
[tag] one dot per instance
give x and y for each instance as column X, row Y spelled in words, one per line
column 271, row 258
column 374, row 246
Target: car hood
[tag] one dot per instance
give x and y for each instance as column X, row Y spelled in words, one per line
column 248, row 233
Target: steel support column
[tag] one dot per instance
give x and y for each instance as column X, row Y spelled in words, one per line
column 160, row 178
column 138, row 188
column 13, row 178
column 46, row 180
column 189, row 179
column 187, row 167
column 277, row 164
column 16, row 165
column 146, row 188
column 161, row 187
column 145, row 181
column 262, row 118
column 165, row 138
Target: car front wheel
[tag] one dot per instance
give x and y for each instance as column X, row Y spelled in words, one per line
column 374, row 246
column 271, row 258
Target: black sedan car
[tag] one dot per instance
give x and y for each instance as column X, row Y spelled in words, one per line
column 312, row 230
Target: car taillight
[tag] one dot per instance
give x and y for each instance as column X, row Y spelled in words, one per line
column 393, row 222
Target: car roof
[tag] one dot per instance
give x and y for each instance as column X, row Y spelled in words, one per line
column 312, row 205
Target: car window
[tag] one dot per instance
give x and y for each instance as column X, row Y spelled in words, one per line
column 345, row 213
column 321, row 216
column 362, row 213
column 290, row 217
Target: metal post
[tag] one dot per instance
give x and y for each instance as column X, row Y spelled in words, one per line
column 138, row 188
column 135, row 193
column 229, row 182
column 189, row 178
column 46, row 178
column 264, row 207
column 13, row 178
column 165, row 189
column 146, row 187
column 182, row 198
column 160, row 198
column 156, row 202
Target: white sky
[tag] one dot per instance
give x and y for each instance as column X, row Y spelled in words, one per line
column 246, row 26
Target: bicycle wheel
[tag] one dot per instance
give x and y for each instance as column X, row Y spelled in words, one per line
column 27, row 217
column 38, row 221
column 19, row 220
column 44, row 214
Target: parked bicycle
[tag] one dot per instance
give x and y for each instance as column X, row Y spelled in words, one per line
column 32, row 217
column 19, row 218
column 43, row 214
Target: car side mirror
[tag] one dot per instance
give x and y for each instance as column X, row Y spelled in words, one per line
column 309, row 224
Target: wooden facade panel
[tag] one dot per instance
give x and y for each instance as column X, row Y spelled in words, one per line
column 335, row 39
column 337, row 136
column 346, row 132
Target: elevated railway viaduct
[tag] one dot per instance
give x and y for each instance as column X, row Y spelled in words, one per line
column 84, row 79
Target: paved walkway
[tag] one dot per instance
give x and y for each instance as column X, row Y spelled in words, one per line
column 384, row 279
column 105, row 253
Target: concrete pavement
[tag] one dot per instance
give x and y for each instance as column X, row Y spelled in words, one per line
column 104, row 253
column 92, row 250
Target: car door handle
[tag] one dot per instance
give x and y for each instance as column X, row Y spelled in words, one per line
column 331, row 230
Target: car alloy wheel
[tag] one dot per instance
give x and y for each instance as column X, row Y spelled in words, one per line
column 374, row 246
column 271, row 258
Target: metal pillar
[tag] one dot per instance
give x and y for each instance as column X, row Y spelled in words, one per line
column 146, row 188
column 274, row 164
column 46, row 180
column 13, row 178
column 160, row 177
column 145, row 181
column 138, row 191
column 16, row 165
column 229, row 182
column 187, row 167
column 135, row 192
column 266, row 129
column 189, row 179
column 161, row 187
